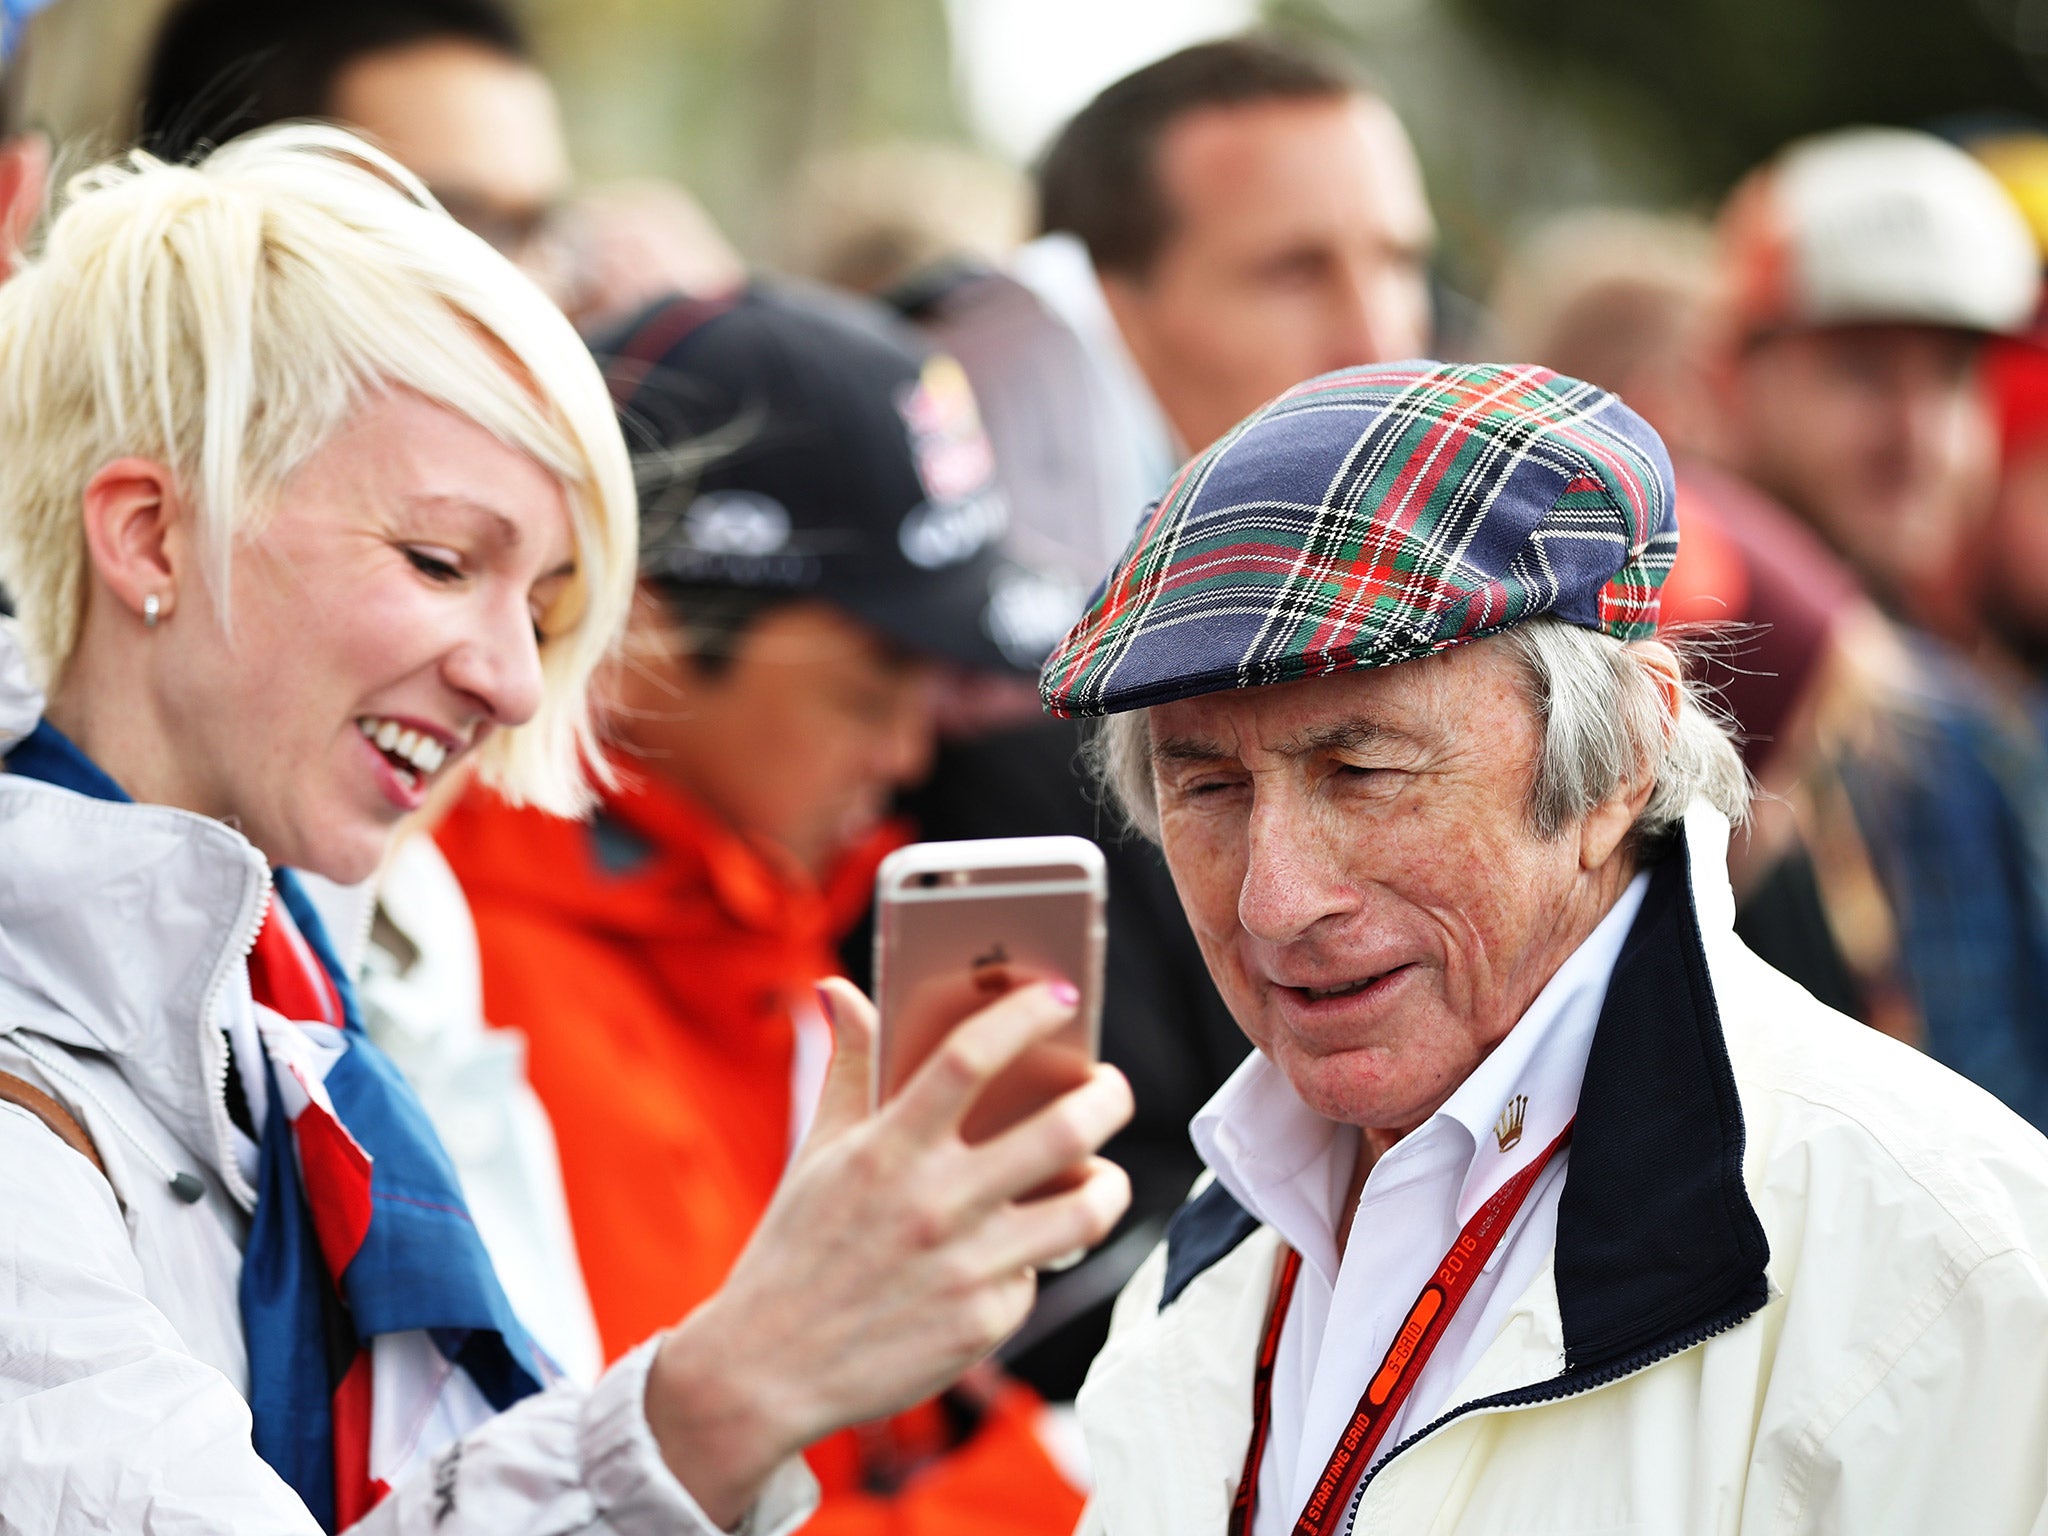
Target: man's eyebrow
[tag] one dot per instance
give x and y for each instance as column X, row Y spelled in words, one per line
column 1334, row 736
column 1343, row 736
column 1188, row 749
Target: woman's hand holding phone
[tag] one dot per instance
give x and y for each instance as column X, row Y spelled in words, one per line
column 895, row 1253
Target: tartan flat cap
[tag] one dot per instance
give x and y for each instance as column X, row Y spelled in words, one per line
column 1373, row 516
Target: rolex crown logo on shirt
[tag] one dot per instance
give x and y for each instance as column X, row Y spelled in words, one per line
column 1507, row 1130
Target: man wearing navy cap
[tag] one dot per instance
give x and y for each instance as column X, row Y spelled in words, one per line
column 1542, row 1204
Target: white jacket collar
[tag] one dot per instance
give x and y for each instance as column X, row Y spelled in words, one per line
column 1706, row 844
column 123, row 930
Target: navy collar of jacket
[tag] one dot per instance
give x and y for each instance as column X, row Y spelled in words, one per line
column 1658, row 1245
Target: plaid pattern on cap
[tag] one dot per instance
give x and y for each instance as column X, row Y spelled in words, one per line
column 1376, row 515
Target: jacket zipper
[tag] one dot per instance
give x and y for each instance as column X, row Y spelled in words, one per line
column 352, row 960
column 1559, row 1388
column 248, row 924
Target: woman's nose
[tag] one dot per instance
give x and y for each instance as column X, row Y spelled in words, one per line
column 500, row 668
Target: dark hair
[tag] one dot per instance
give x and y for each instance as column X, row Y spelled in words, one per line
column 711, row 620
column 1099, row 179
column 223, row 67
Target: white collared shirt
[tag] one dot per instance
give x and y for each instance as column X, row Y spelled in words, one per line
column 1289, row 1167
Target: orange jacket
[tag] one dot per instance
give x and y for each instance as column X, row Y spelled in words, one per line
column 654, row 959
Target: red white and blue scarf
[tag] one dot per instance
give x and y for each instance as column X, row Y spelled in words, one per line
column 375, row 1325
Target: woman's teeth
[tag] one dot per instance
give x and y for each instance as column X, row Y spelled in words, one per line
column 416, row 755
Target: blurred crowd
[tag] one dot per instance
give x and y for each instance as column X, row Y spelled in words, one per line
column 875, row 490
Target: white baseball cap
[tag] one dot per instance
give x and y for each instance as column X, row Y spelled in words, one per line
column 1876, row 225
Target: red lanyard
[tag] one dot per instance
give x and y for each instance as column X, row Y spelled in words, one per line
column 1414, row 1342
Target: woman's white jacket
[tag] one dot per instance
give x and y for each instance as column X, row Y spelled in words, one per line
column 123, row 931
column 1798, row 1286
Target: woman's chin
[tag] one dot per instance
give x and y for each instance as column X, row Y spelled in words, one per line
column 351, row 871
column 345, row 855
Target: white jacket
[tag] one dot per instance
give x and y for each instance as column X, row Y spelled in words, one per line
column 122, row 1369
column 1797, row 1287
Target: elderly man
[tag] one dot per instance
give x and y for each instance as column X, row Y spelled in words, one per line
column 1542, row 1204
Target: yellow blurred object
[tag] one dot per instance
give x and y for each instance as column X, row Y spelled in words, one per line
column 2020, row 162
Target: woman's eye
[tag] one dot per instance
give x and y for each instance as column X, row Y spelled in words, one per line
column 437, row 565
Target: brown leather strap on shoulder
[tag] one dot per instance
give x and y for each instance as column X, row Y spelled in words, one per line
column 14, row 1090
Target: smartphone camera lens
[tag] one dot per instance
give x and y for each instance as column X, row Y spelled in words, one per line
column 929, row 880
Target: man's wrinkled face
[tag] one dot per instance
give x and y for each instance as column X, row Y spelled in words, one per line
column 1877, row 435
column 1300, row 243
column 1357, row 858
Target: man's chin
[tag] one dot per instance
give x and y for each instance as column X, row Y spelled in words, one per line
column 1353, row 1088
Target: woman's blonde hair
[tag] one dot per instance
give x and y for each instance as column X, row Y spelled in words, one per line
column 224, row 318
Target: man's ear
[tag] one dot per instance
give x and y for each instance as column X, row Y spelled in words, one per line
column 24, row 169
column 136, row 535
column 1607, row 825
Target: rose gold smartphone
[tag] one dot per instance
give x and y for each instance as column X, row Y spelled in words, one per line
column 960, row 924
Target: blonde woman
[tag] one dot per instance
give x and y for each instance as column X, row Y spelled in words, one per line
column 306, row 497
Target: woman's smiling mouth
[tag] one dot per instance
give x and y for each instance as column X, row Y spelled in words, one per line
column 414, row 755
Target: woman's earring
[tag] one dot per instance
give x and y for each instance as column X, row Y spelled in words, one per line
column 152, row 609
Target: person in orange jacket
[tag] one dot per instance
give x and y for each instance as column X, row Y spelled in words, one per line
column 819, row 522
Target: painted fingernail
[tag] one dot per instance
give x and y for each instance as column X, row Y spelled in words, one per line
column 1065, row 993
